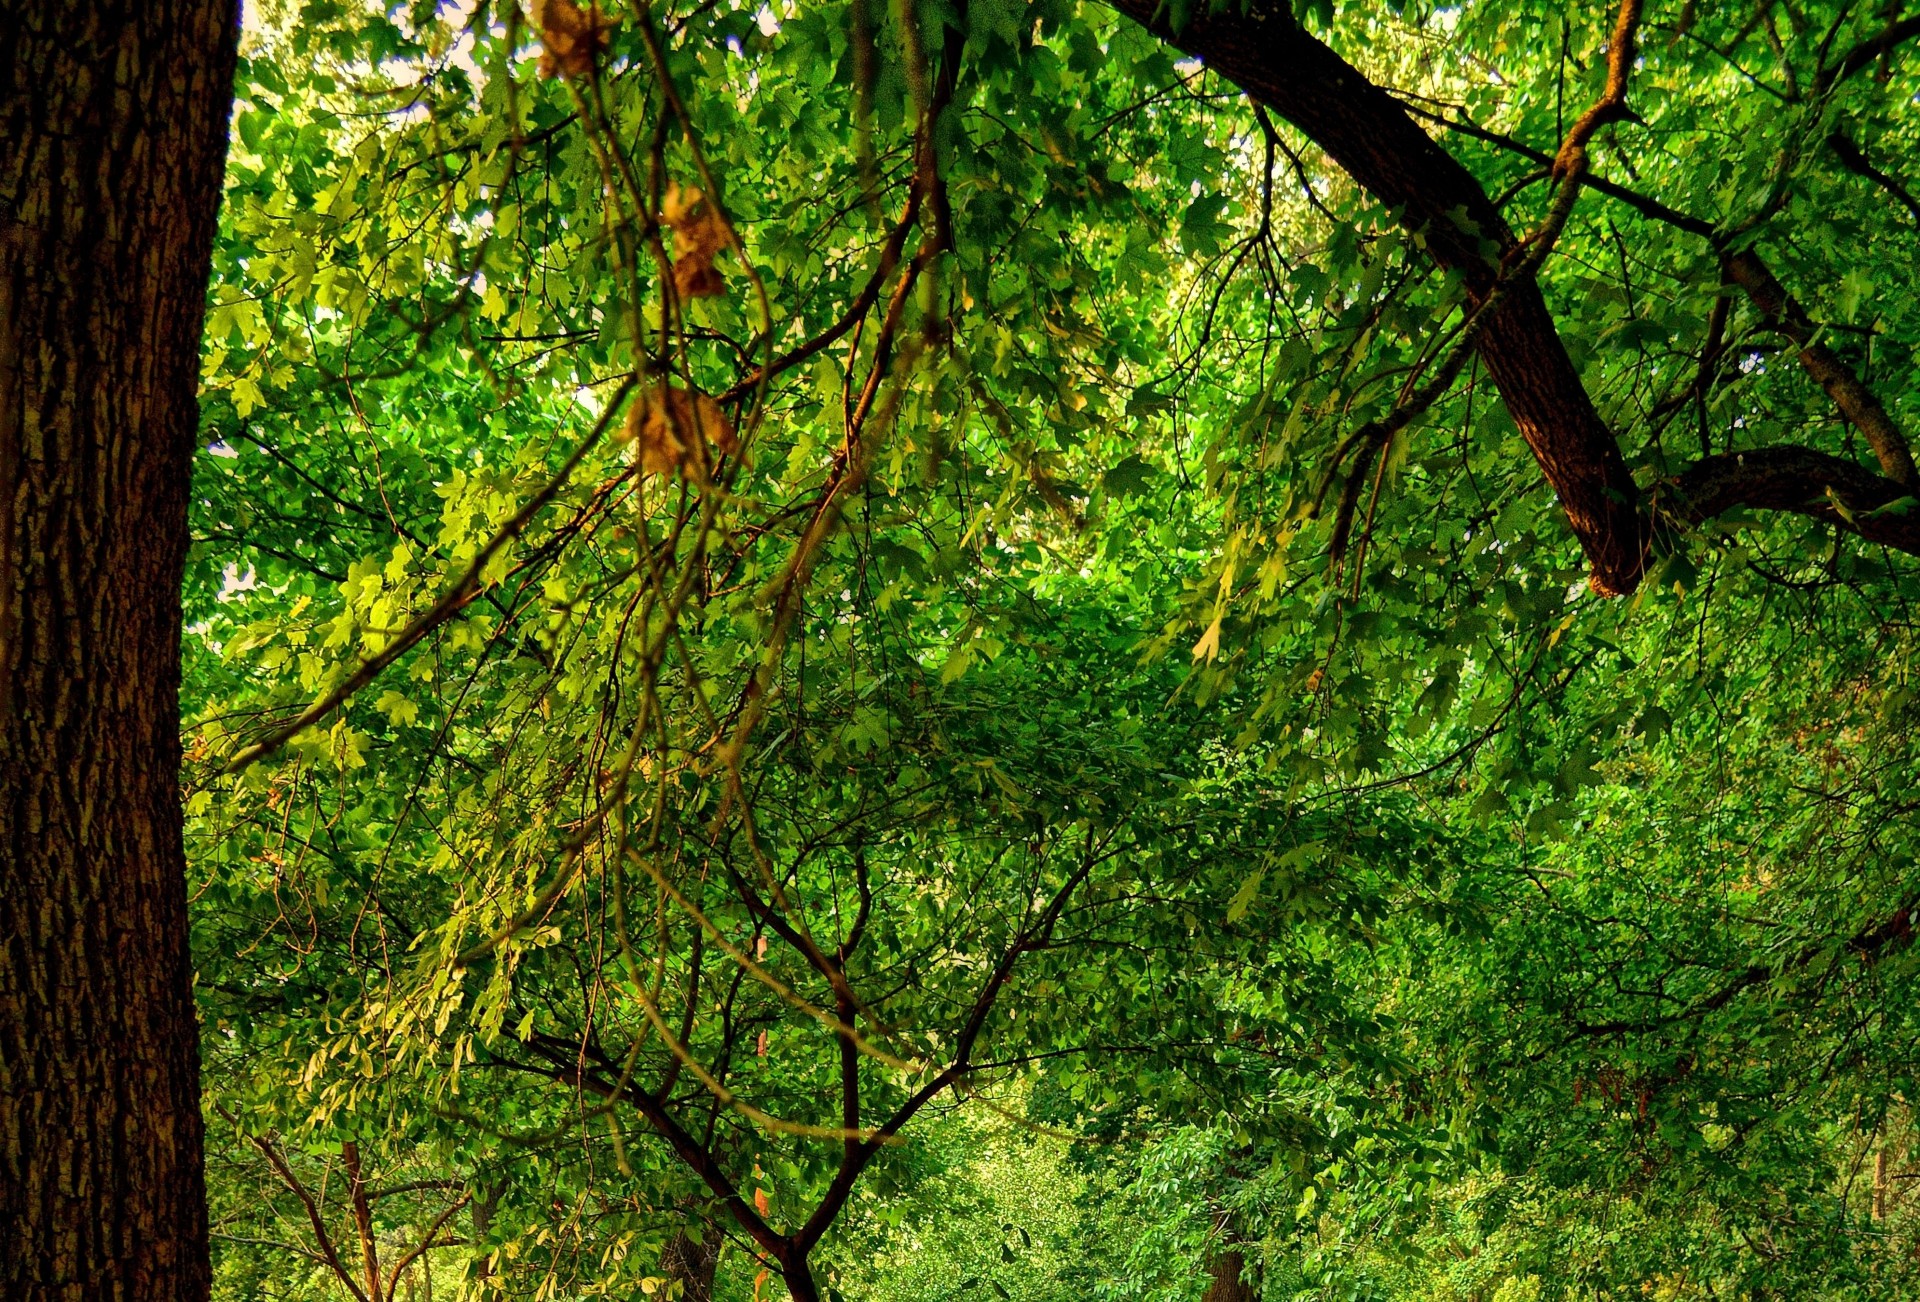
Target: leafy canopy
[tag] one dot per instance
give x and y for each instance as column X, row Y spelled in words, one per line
column 765, row 576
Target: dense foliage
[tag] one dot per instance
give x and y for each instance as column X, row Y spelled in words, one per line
column 904, row 653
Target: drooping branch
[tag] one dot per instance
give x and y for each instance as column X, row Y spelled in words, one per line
column 1367, row 133
column 456, row 598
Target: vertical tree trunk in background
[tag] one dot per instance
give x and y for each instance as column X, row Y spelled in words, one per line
column 485, row 1199
column 113, row 118
column 1228, row 1283
column 1227, row 1269
column 693, row 1264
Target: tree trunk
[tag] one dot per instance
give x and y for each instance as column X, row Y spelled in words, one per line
column 114, row 118
column 485, row 1200
column 1228, row 1277
column 692, row 1264
column 798, row 1275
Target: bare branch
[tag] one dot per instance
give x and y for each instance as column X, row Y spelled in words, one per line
column 426, row 1243
column 1855, row 160
column 292, row 1181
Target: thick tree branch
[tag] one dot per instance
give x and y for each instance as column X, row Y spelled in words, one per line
column 689, row 1150
column 1267, row 54
column 1783, row 312
column 1854, row 399
column 362, row 1218
column 1855, row 160
column 1801, row 480
column 1370, row 135
column 1867, row 53
column 1612, row 104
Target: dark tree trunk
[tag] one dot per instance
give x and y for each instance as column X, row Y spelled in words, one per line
column 1227, row 1282
column 797, row 1272
column 693, row 1264
column 114, row 120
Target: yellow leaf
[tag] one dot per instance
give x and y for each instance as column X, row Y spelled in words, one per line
column 397, row 707
column 957, row 661
column 1208, row 647
column 247, row 396
column 1244, row 897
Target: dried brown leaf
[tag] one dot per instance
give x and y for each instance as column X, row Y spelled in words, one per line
column 699, row 234
column 573, row 37
column 671, row 429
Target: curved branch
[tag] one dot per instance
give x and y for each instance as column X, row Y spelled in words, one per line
column 1783, row 312
column 689, row 1150
column 318, row 1223
column 863, row 302
column 1801, row 480
column 1868, row 52
column 1367, row 133
column 1371, row 136
column 1854, row 399
column 426, row 1243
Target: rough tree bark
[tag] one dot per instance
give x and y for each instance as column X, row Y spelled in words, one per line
column 693, row 1264
column 1226, row 1277
column 1227, row 1267
column 114, row 117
